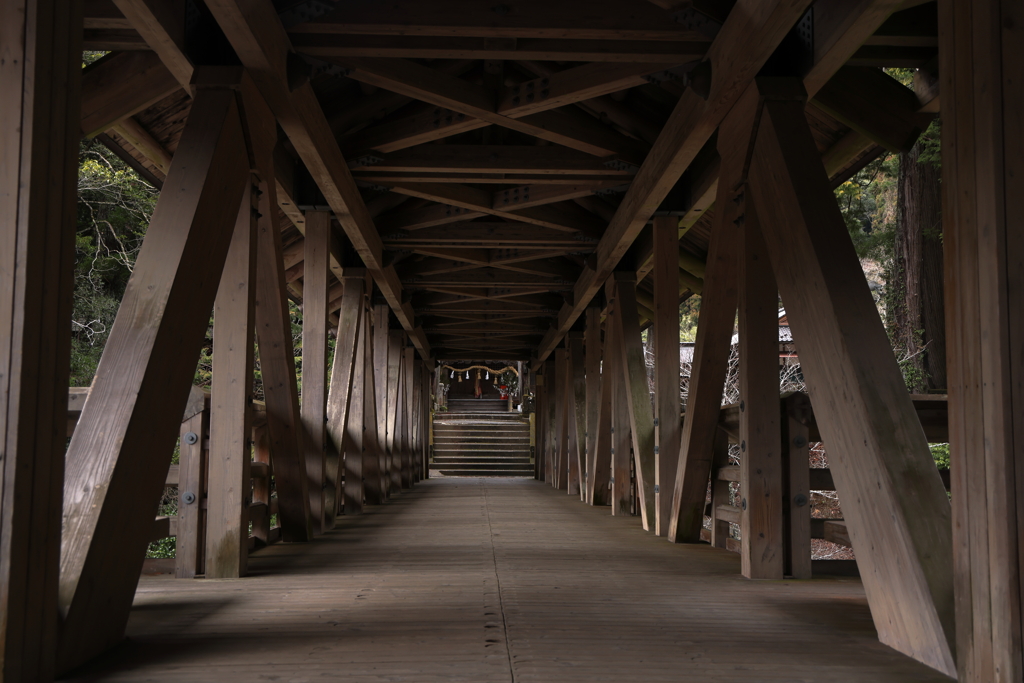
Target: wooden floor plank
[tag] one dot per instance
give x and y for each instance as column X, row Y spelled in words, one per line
column 466, row 579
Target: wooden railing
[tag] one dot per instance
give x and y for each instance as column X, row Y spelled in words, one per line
column 189, row 477
column 799, row 431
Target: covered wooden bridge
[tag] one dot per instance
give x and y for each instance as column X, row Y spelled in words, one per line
column 518, row 181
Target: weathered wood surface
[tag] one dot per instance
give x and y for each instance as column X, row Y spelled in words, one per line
column 227, row 504
column 578, row 415
column 760, row 436
column 502, row 580
column 40, row 81
column 666, row 366
column 314, row 361
column 343, row 392
column 633, row 370
column 714, row 332
column 599, row 414
column 143, row 380
column 896, row 508
column 980, row 59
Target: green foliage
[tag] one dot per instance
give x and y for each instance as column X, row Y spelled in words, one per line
column 868, row 204
column 689, row 311
column 114, row 207
column 940, row 454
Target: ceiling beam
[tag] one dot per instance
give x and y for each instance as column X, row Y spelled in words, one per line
column 541, row 49
column 577, row 19
column 475, row 103
column 750, row 34
column 262, row 45
column 491, row 159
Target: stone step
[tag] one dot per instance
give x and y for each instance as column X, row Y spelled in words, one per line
column 483, row 447
column 480, row 438
column 481, row 460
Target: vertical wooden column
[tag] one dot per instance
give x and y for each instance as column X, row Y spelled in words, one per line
column 981, row 52
column 190, row 543
column 577, row 415
column 666, row 365
column 380, row 383
column 894, row 503
column 638, row 398
column 314, row 359
column 412, row 388
column 345, row 394
column 559, row 454
column 714, row 331
column 598, row 415
column 394, row 398
column 619, row 432
column 430, row 384
column 797, row 479
column 761, row 486
column 121, row 448
column 354, row 432
column 373, row 472
column 274, row 332
column 229, row 479
column 539, row 405
column 40, row 75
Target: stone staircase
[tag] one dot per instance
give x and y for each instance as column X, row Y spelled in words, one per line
column 480, row 438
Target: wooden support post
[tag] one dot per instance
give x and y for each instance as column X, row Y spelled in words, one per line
column 345, row 395
column 228, row 477
column 149, row 357
column 274, row 333
column 980, row 55
column 714, row 332
column 394, row 398
column 190, row 543
column 619, row 442
column 577, row 415
column 598, row 415
column 894, row 503
column 314, row 360
column 426, row 415
column 40, row 78
column 720, row 528
column 380, row 383
column 374, row 486
column 638, row 398
column 666, row 365
column 354, row 432
column 761, row 485
column 545, row 407
column 559, row 455
column 797, row 480
column 412, row 388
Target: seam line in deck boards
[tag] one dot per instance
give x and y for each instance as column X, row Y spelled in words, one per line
column 501, row 601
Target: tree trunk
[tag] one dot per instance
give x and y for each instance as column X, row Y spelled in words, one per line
column 916, row 314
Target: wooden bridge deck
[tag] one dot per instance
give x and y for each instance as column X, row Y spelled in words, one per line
column 498, row 580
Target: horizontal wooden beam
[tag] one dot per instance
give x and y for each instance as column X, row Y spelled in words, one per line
column 475, row 107
column 576, row 19
column 120, row 85
column 541, row 49
column 491, row 159
column 753, row 33
column 262, row 45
